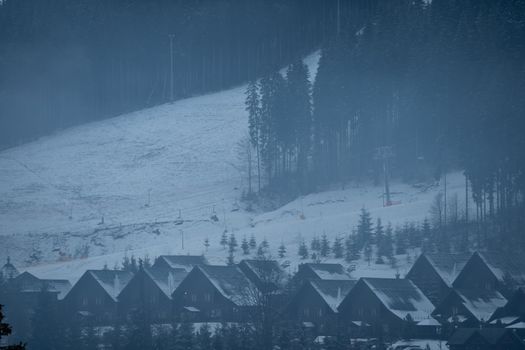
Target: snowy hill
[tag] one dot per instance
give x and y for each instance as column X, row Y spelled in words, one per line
column 117, row 187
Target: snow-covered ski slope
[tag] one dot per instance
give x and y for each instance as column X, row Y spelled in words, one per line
column 118, row 185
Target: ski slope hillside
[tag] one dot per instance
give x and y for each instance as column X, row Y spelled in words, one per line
column 87, row 196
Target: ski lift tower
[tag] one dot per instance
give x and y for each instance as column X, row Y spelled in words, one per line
column 383, row 154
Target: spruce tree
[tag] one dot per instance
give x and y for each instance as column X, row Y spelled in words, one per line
column 364, row 228
column 253, row 242
column 337, row 248
column 245, row 246
column 232, row 244
column 224, row 239
column 5, row 330
column 303, row 250
column 282, row 250
column 324, row 251
column 315, row 245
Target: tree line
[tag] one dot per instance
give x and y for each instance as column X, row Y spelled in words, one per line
column 415, row 90
column 66, row 62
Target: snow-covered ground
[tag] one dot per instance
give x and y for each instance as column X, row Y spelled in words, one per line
column 117, row 186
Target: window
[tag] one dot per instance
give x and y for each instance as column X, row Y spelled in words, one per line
column 207, row 297
column 360, row 311
column 373, row 312
column 84, row 301
column 306, row 312
column 215, row 313
column 98, row 301
column 194, row 298
column 320, row 312
column 455, row 311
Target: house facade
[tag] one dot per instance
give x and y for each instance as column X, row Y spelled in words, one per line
column 391, row 307
column 94, row 297
column 434, row 273
column 316, row 303
column 149, row 292
column 22, row 295
column 492, row 271
column 215, row 294
column 468, row 307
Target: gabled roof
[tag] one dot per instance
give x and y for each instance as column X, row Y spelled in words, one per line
column 29, row 283
column 481, row 303
column 231, row 283
column 502, row 265
column 8, row 271
column 186, row 262
column 448, row 266
column 333, row 291
column 166, row 279
column 513, row 309
column 401, row 297
column 263, row 268
column 328, row 271
column 112, row 281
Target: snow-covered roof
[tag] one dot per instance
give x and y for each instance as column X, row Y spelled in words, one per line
column 328, row 271
column 502, row 265
column 505, row 320
column 519, row 325
column 429, row 322
column 112, row 281
column 166, row 279
column 448, row 266
column 8, row 271
column 481, row 303
column 186, row 262
column 401, row 297
column 232, row 283
column 333, row 291
column 263, row 268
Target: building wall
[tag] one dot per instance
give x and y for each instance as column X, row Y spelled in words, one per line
column 308, row 306
column 198, row 292
column 88, row 295
column 426, row 278
column 362, row 305
column 143, row 293
column 476, row 275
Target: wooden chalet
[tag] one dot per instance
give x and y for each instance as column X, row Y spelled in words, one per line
column 186, row 262
column 267, row 275
column 492, row 271
column 469, row 307
column 485, row 339
column 434, row 273
column 215, row 294
column 22, row 295
column 512, row 314
column 391, row 307
column 148, row 294
column 315, row 304
column 94, row 297
column 312, row 271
